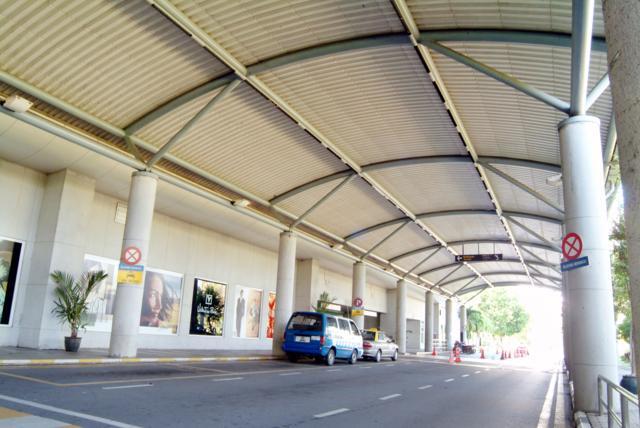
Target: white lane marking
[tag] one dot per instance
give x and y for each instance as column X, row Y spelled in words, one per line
column 388, row 397
column 545, row 413
column 477, row 371
column 390, row 365
column 465, row 375
column 105, row 421
column 486, row 370
column 330, row 413
column 127, row 386
column 290, row 374
column 425, row 387
column 365, row 367
column 334, row 370
column 227, row 378
column 450, row 380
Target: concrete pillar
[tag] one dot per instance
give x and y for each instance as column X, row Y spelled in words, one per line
column 284, row 288
column 401, row 316
column 448, row 327
column 428, row 321
column 306, row 289
column 358, row 290
column 62, row 231
column 137, row 234
column 463, row 324
column 591, row 320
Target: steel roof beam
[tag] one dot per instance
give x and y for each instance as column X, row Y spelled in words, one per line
column 192, row 122
column 439, row 268
column 418, row 160
column 539, row 196
column 503, row 284
column 495, row 273
column 456, row 269
column 385, row 239
column 321, row 201
column 539, row 259
column 499, row 160
column 532, row 232
column 505, row 78
column 581, row 33
column 424, row 260
column 597, row 90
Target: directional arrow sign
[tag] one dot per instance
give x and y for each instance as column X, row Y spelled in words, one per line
column 478, row 258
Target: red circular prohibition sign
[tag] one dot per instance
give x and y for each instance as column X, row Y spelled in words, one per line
column 131, row 255
column 572, row 246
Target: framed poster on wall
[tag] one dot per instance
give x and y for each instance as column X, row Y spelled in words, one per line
column 160, row 312
column 247, row 312
column 102, row 298
column 271, row 314
column 207, row 310
column 10, row 253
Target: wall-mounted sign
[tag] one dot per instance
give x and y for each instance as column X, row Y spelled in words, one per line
column 574, row 264
column 571, row 246
column 128, row 274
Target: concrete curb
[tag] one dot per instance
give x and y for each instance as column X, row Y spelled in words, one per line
column 88, row 361
column 581, row 420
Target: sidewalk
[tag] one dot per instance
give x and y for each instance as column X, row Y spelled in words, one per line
column 12, row 356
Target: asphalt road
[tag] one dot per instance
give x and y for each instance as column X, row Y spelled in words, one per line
column 408, row 393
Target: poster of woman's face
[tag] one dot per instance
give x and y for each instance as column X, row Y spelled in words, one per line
column 271, row 319
column 207, row 311
column 102, row 298
column 161, row 302
column 247, row 312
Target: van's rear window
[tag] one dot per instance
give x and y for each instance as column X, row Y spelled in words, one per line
column 305, row 322
column 368, row 335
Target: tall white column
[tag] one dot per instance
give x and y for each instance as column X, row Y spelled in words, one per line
column 358, row 290
column 448, row 327
column 463, row 324
column 284, row 288
column 137, row 233
column 401, row 316
column 428, row 321
column 591, row 320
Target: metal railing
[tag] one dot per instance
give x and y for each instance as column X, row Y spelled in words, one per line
column 626, row 397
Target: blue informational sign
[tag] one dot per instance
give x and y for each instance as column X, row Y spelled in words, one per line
column 574, row 264
column 124, row 266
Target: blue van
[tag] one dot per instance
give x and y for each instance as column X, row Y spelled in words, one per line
column 322, row 336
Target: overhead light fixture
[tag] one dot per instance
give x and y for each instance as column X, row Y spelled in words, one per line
column 337, row 246
column 389, row 269
column 241, row 203
column 554, row 180
column 17, row 103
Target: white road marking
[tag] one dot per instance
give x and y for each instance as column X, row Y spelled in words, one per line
column 486, row 370
column 465, row 375
column 425, row 387
column 290, row 374
column 477, row 371
column 330, row 413
column 388, row 397
column 545, row 413
column 365, row 367
column 227, row 378
column 334, row 370
column 88, row 417
column 450, row 380
column 390, row 365
column 127, row 386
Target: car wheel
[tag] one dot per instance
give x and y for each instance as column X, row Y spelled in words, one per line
column 330, row 358
column 292, row 357
column 395, row 356
column 354, row 357
column 378, row 356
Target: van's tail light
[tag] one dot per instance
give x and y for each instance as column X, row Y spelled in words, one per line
column 366, row 345
column 321, row 340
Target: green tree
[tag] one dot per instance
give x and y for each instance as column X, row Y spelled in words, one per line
column 475, row 322
column 620, row 283
column 504, row 315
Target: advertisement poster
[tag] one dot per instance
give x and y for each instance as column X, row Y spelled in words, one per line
column 207, row 310
column 102, row 298
column 9, row 260
column 247, row 312
column 161, row 302
column 271, row 315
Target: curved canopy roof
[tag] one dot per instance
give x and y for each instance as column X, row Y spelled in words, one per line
column 375, row 126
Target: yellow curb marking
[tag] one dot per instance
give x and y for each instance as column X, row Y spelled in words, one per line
column 6, row 413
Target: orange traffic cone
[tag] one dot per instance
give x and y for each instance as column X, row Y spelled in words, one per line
column 482, row 353
column 458, row 360
column 451, row 357
column 434, row 353
column 502, row 356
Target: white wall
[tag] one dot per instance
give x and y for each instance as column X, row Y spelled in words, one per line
column 340, row 287
column 21, row 192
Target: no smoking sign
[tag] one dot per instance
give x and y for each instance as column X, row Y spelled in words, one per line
column 571, row 250
column 131, row 256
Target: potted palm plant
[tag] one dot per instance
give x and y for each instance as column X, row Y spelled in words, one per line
column 71, row 302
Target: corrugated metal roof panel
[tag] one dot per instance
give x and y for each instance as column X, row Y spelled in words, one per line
column 375, row 104
column 537, row 15
column 502, row 121
column 435, row 187
column 498, row 267
column 411, row 236
column 252, row 31
column 465, row 227
column 507, row 250
column 248, row 142
column 114, row 59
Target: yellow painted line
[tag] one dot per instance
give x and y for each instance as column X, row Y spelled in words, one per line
column 85, row 361
column 30, row 379
column 9, row 413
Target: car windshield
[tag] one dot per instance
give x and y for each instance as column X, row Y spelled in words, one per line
column 305, row 322
column 368, row 335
